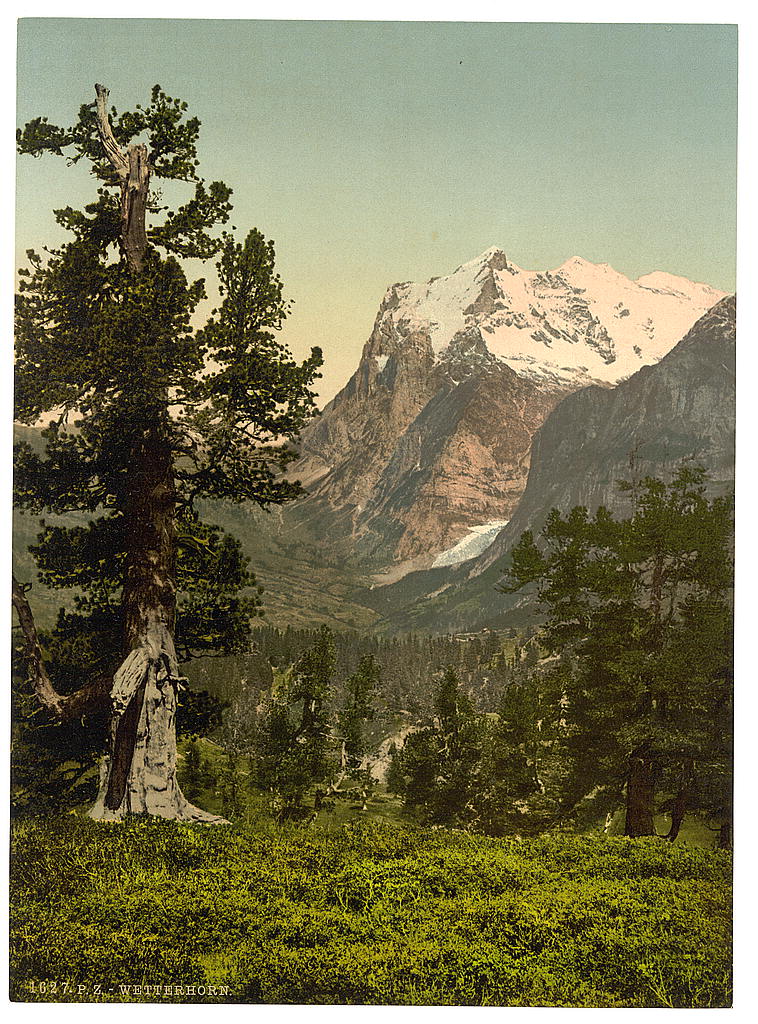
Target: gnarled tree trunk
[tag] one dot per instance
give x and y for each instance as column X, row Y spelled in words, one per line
column 139, row 774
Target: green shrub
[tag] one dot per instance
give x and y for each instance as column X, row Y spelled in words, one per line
column 368, row 914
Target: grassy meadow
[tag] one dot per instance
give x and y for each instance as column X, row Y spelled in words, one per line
column 367, row 912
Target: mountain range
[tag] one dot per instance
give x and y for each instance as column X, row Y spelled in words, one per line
column 427, row 447
column 480, row 401
column 682, row 408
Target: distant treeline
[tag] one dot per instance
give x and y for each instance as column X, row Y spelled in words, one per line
column 409, row 665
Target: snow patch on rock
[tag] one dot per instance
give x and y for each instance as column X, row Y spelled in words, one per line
column 477, row 540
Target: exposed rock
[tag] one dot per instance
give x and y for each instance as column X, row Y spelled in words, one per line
column 432, row 434
column 681, row 408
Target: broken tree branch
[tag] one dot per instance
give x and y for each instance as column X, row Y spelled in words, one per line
column 46, row 693
column 133, row 169
column 91, row 697
column 112, row 149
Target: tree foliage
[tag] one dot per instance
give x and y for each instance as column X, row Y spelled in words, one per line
column 358, row 709
column 640, row 610
column 293, row 742
column 437, row 771
column 145, row 413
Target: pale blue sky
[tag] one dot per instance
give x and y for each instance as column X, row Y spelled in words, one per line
column 380, row 152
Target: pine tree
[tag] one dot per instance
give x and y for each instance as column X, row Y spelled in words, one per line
column 641, row 610
column 438, row 767
column 146, row 416
column 292, row 749
column 193, row 772
column 394, row 778
column 358, row 709
column 351, row 720
column 522, row 773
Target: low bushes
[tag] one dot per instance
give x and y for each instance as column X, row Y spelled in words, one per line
column 367, row 914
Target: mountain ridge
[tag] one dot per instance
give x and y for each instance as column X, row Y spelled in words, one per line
column 423, row 451
column 680, row 408
column 431, row 436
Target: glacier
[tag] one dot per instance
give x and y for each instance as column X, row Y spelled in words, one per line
column 477, row 540
column 580, row 323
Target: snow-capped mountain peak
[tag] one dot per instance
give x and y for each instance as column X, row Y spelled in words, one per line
column 429, row 442
column 578, row 323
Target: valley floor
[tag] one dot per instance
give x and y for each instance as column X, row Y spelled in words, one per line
column 153, row 911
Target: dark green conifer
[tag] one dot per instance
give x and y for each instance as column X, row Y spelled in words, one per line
column 145, row 416
column 640, row 610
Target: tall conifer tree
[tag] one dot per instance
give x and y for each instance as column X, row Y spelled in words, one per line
column 145, row 416
column 641, row 609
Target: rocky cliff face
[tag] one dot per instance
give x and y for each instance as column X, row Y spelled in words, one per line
column 431, row 437
column 681, row 408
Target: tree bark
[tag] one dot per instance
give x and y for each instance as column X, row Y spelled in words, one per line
column 678, row 812
column 92, row 697
column 640, row 793
column 44, row 690
column 679, row 805
column 139, row 775
column 133, row 170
